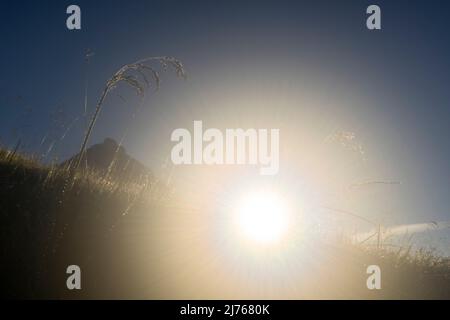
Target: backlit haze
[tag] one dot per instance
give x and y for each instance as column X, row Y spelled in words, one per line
column 362, row 115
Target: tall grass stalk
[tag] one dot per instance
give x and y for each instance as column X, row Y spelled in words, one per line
column 137, row 76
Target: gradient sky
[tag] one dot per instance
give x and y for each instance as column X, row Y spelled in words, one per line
column 388, row 86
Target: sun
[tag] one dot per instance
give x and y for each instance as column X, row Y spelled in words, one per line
column 263, row 217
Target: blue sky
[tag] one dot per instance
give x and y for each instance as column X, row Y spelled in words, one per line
column 397, row 78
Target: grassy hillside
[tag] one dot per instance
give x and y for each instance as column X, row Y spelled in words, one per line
column 51, row 218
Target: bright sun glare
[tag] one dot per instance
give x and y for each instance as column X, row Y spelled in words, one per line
column 263, row 217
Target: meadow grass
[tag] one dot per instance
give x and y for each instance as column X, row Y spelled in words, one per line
column 48, row 212
column 51, row 218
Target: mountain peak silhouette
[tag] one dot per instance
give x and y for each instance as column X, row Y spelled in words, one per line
column 110, row 158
